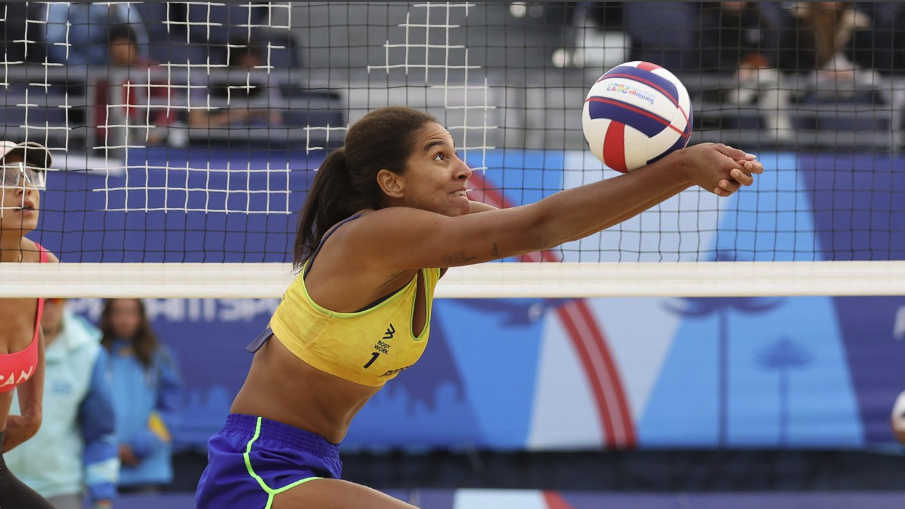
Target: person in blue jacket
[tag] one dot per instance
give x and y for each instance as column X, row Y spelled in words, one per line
column 76, row 449
column 146, row 395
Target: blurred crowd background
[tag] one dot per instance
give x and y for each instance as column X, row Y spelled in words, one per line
column 779, row 74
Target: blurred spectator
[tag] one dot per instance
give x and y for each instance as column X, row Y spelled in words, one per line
column 76, row 32
column 127, row 100
column 834, row 39
column 592, row 32
column 75, row 450
column 146, row 394
column 244, row 55
column 745, row 39
column 888, row 35
column 897, row 418
column 247, row 56
column 738, row 36
column 828, row 42
column 665, row 33
column 122, row 47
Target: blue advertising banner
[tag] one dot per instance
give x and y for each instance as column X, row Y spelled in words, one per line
column 695, row 373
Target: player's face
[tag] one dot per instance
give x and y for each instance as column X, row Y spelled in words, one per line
column 20, row 200
column 123, row 52
column 52, row 319
column 125, row 317
column 435, row 177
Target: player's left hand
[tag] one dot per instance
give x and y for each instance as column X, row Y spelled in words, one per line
column 127, row 457
column 743, row 176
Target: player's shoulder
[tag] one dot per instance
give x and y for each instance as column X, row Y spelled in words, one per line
column 393, row 216
column 30, row 245
column 395, row 223
column 379, row 231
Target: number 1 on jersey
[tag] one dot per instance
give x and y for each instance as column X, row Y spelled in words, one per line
column 374, row 357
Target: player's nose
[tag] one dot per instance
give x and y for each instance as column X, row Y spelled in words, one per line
column 463, row 171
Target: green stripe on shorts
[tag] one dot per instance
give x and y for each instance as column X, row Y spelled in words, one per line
column 251, row 471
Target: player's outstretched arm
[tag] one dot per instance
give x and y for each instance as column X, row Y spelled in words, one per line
column 749, row 167
column 477, row 207
column 406, row 238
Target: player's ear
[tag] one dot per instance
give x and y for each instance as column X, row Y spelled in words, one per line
column 392, row 184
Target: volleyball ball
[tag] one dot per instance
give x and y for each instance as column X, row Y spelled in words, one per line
column 635, row 114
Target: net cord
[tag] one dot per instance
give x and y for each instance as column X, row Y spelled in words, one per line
column 492, row 280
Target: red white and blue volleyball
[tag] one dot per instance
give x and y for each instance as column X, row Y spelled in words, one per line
column 635, row 114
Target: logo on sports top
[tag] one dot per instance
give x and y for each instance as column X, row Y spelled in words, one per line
column 11, row 378
column 394, row 371
column 622, row 88
column 390, row 332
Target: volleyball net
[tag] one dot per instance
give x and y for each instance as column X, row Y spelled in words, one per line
column 180, row 171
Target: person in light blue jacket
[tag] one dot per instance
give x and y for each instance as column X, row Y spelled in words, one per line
column 76, row 32
column 146, row 395
column 76, row 449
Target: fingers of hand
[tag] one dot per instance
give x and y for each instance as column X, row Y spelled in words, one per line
column 744, row 171
column 742, row 177
column 728, row 187
column 754, row 166
column 734, row 153
column 751, row 166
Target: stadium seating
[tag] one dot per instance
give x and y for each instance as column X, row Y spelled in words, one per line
column 54, row 114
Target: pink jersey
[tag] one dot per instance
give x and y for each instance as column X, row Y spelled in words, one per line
column 16, row 368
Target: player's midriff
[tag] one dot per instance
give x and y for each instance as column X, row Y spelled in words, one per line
column 284, row 388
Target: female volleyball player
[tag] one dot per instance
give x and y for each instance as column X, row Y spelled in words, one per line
column 22, row 176
column 386, row 216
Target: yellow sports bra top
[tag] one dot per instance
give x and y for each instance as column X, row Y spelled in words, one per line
column 367, row 347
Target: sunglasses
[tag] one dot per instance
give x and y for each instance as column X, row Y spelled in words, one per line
column 20, row 176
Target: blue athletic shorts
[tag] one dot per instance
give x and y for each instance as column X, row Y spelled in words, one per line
column 252, row 459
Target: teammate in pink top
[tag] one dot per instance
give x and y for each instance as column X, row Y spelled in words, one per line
column 22, row 177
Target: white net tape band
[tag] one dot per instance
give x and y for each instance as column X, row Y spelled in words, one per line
column 494, row 280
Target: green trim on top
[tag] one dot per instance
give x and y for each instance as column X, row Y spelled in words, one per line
column 428, row 305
